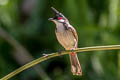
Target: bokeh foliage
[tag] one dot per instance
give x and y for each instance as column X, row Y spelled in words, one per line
column 97, row 23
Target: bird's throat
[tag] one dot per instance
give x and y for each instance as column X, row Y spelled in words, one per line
column 60, row 27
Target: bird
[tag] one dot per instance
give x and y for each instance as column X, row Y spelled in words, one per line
column 68, row 38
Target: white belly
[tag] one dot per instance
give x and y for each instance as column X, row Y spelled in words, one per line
column 66, row 39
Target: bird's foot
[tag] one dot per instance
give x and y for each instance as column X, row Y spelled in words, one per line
column 60, row 51
column 73, row 49
column 45, row 55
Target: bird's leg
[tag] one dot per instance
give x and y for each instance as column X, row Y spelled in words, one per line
column 60, row 51
column 74, row 48
column 45, row 55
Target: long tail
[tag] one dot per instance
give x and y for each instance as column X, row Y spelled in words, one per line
column 75, row 64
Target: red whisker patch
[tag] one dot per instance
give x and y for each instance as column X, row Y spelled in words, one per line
column 59, row 18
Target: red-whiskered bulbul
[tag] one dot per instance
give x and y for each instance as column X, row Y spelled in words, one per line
column 68, row 38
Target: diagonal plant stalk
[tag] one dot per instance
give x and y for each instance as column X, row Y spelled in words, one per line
column 48, row 56
column 22, row 52
column 119, row 65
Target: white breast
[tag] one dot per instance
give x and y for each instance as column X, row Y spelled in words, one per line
column 65, row 37
column 60, row 27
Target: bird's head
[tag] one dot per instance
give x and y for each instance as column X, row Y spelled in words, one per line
column 59, row 17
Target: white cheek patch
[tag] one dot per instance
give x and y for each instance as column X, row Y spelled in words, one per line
column 61, row 20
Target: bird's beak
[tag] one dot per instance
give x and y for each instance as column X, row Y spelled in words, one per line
column 51, row 19
column 56, row 13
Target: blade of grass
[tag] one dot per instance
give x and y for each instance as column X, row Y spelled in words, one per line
column 41, row 59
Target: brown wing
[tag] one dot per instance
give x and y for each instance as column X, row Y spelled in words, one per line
column 70, row 28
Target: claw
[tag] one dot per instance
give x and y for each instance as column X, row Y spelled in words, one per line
column 45, row 55
column 73, row 49
column 60, row 51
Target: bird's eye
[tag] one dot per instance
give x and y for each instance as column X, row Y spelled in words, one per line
column 59, row 18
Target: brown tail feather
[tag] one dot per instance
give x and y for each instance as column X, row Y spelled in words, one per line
column 75, row 64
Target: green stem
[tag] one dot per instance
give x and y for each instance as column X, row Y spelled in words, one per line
column 119, row 66
column 34, row 62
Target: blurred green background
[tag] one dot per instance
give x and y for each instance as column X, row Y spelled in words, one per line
column 26, row 34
